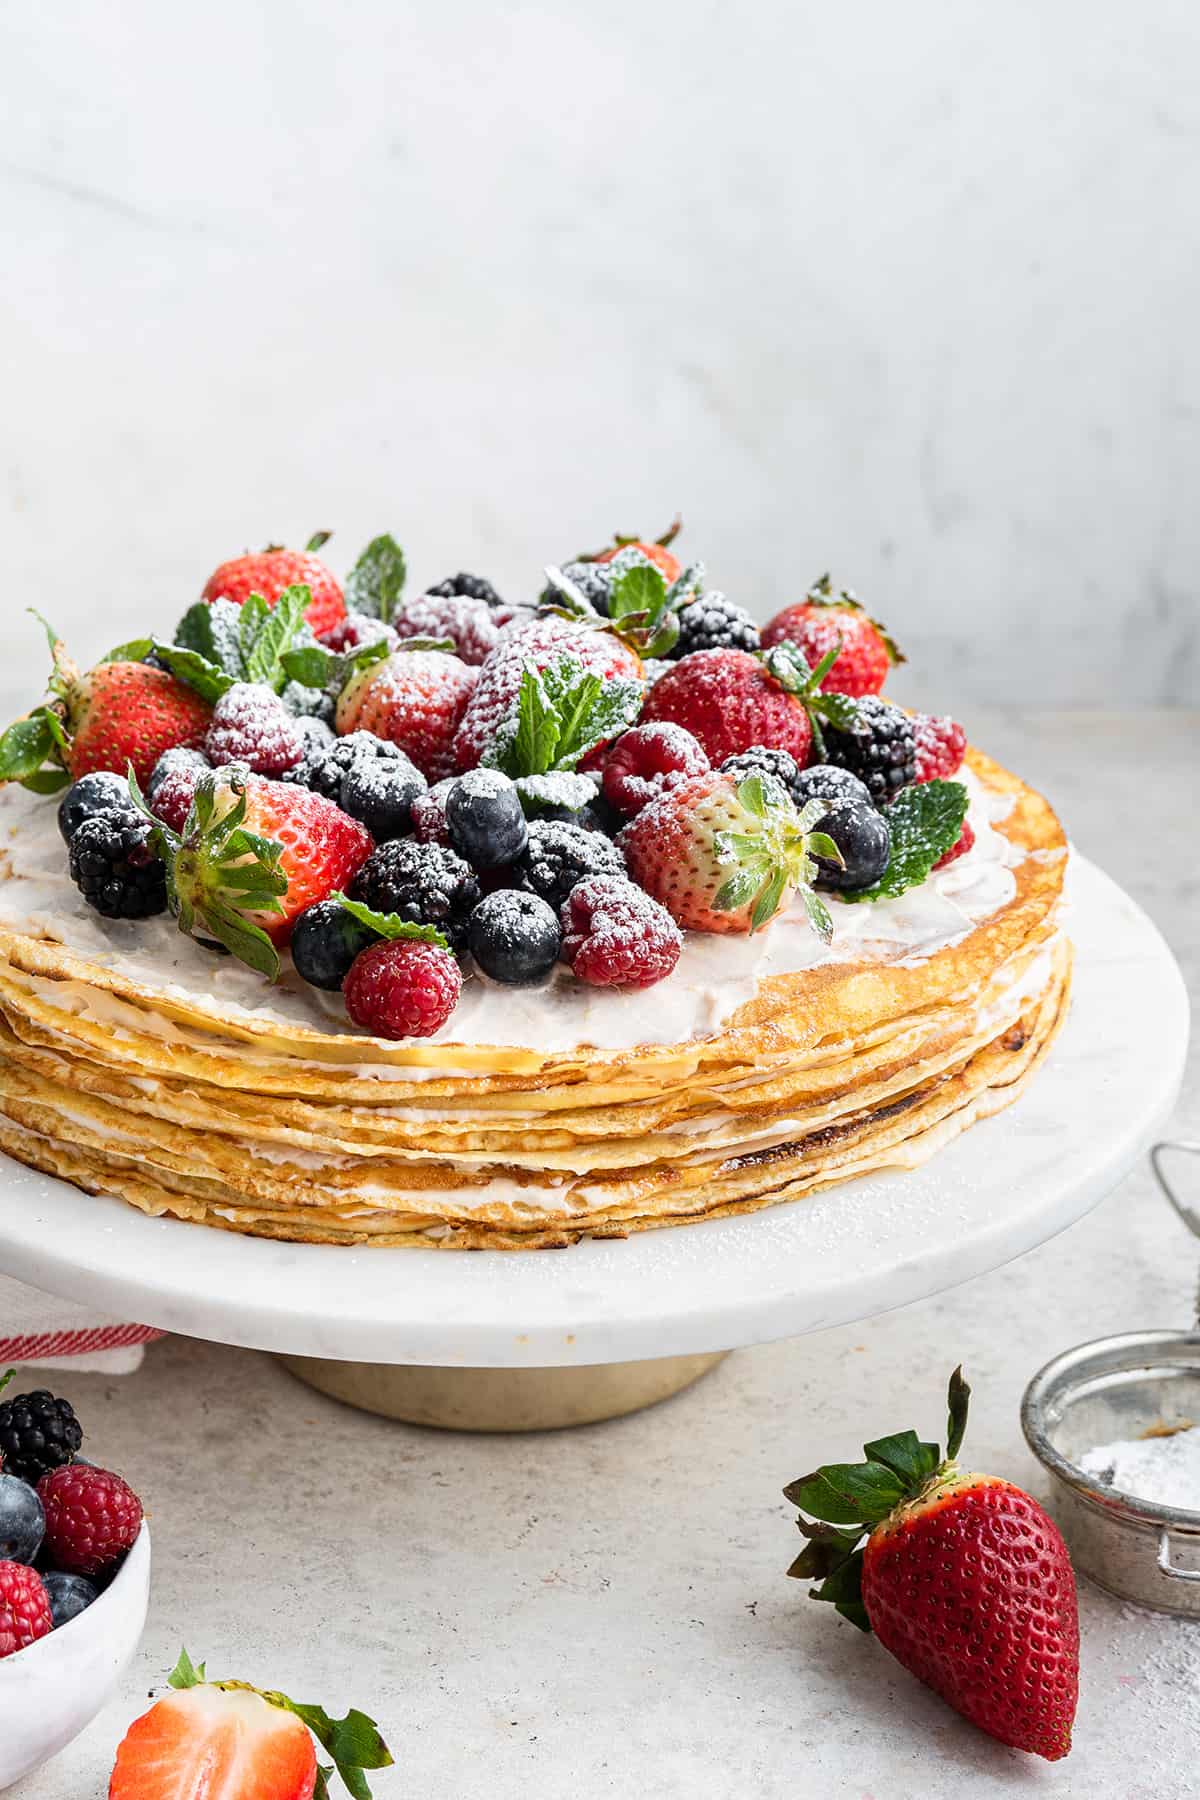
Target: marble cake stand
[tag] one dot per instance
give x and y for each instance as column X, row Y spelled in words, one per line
column 505, row 1342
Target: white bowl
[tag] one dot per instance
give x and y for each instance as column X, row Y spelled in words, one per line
column 49, row 1692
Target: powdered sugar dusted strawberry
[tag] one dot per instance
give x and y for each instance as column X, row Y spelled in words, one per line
column 615, row 935
column 827, row 621
column 729, row 701
column 941, row 746
column 534, row 645
column 649, row 761
column 656, row 552
column 414, row 698
column 471, row 625
column 727, row 855
column 268, row 572
column 251, row 725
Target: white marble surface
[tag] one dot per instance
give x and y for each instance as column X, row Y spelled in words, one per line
column 906, row 290
column 604, row 1613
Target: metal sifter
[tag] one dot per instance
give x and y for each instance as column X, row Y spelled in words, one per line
column 1133, row 1385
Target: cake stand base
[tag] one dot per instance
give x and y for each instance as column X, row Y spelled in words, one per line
column 503, row 1399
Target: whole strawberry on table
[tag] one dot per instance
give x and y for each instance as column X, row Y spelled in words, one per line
column 962, row 1576
column 404, row 793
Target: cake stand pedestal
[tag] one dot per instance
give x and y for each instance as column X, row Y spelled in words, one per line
column 503, row 1341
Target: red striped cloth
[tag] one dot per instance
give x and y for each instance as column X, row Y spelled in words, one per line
column 37, row 1346
column 40, row 1328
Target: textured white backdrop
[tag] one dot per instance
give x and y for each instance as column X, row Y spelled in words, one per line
column 908, row 290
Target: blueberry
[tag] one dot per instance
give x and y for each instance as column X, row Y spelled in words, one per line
column 862, row 836
column 317, row 733
column 484, row 819
column 92, row 794
column 514, row 937
column 325, row 941
column 825, row 781
column 380, row 794
column 22, row 1521
column 69, row 1595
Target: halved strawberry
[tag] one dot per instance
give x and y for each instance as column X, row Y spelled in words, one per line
column 268, row 572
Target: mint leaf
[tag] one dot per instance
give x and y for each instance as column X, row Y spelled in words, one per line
column 263, row 649
column 640, row 589
column 925, row 821
column 390, row 925
column 560, row 713
column 207, row 678
column 214, row 632
column 557, row 791
column 376, row 582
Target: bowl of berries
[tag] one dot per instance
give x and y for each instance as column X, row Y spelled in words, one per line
column 74, row 1582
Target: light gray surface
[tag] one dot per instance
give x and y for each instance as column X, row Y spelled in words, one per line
column 604, row 1613
column 909, row 290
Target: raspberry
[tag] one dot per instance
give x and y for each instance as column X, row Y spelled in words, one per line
column 172, row 786
column 357, row 629
column 471, row 624
column 115, row 869
column 648, row 760
column 966, row 840
column 941, row 746
column 37, row 1433
column 25, row 1614
column 92, row 1517
column 251, row 725
column 614, row 935
column 402, row 988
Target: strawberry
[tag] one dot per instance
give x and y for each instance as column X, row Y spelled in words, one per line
column 533, row 646
column 657, row 552
column 253, row 854
column 825, row 621
column 268, row 572
column 415, row 698
column 727, row 855
column 225, row 1740
column 735, row 700
column 963, row 1577
column 123, row 711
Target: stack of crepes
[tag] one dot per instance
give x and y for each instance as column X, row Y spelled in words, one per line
column 139, row 1064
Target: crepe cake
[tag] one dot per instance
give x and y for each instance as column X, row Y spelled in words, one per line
column 135, row 1063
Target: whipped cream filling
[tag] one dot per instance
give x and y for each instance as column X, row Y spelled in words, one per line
column 715, row 975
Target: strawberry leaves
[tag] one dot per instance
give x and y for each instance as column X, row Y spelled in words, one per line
column 787, row 665
column 823, row 593
column 28, row 745
column 560, row 713
column 354, row 1743
column 925, row 821
column 376, row 582
column 773, row 856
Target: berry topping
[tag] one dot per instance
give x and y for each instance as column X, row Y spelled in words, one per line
column 429, row 813
column 559, row 855
column 827, row 623
column 966, row 841
column 878, row 747
column 317, row 732
column 357, row 629
column 614, row 935
column 69, row 1595
column 825, row 781
column 326, row 765
column 25, row 1614
column 325, row 941
column 469, row 624
column 402, row 988
column 115, row 868
column 862, row 836
column 414, row 698
column 534, row 647
column 424, row 884
column 758, row 760
column 103, row 792
column 22, row 1521
column 92, row 1517
column 472, row 587
column 173, row 783
column 941, row 745
column 379, row 791
column 647, row 762
column 514, row 937
column 251, row 725
column 733, row 701
column 711, row 622
column 485, row 820
column 270, row 572
column 37, row 1433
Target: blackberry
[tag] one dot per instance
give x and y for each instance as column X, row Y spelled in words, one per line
column 881, row 749
column 115, row 869
column 324, row 768
column 92, row 794
column 325, row 941
column 485, row 820
column 825, row 781
column 69, row 1595
column 760, row 760
column 309, row 703
column 318, row 733
column 379, row 791
column 861, row 834
column 712, row 622
column 473, row 586
column 514, row 937
column 560, row 794
column 594, row 581
column 424, row 883
column 558, row 855
column 37, row 1433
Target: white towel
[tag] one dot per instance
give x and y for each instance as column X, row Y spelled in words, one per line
column 37, row 1328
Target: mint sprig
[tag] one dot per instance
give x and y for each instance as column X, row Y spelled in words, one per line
column 925, row 821
column 390, row 925
column 354, row 1743
column 560, row 713
column 376, row 582
column 219, row 644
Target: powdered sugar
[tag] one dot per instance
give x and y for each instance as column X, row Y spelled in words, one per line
column 1162, row 1470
